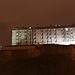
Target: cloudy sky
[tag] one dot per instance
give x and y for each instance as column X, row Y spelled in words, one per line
column 33, row 12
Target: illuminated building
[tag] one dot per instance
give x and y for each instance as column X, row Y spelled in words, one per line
column 62, row 35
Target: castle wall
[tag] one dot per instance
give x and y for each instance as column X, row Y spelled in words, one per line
column 25, row 52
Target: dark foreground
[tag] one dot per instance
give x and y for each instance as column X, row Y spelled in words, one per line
column 42, row 65
column 38, row 60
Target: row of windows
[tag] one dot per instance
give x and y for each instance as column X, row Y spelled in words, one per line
column 50, row 40
column 35, row 33
column 34, row 30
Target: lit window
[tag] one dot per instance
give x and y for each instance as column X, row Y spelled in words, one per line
column 16, row 33
column 29, row 27
column 54, row 29
column 66, row 29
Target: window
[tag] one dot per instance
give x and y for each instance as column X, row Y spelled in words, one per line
column 41, row 33
column 29, row 27
column 17, row 38
column 54, row 33
column 54, row 29
column 34, row 41
column 50, row 39
column 63, row 40
column 34, row 37
column 46, row 33
column 41, row 41
column 55, row 37
column 72, row 39
column 55, row 40
column 66, row 29
column 41, row 37
column 67, row 39
column 16, row 34
column 34, row 34
column 25, row 33
column 47, row 41
column 46, row 37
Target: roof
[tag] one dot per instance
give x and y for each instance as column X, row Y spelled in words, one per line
column 41, row 27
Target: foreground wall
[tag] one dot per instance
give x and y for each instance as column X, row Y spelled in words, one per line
column 25, row 52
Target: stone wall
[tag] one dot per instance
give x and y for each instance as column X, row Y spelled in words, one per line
column 24, row 52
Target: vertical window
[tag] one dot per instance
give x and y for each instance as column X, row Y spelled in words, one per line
column 25, row 33
column 62, row 34
column 71, row 34
column 41, row 35
column 55, row 35
column 49, row 31
column 16, row 34
column 42, row 41
column 50, row 39
column 47, row 34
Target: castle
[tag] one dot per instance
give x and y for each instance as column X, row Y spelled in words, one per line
column 62, row 35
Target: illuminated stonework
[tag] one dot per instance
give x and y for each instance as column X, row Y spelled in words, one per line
column 43, row 35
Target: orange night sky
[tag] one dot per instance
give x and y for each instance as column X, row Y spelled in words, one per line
column 33, row 12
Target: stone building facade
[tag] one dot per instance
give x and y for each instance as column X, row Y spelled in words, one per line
column 62, row 35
